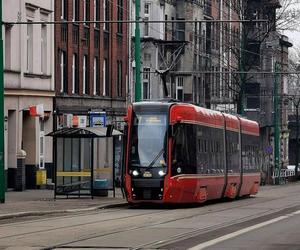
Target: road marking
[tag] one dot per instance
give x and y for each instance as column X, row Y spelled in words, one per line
column 242, row 231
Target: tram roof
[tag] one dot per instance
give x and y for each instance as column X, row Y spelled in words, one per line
column 191, row 112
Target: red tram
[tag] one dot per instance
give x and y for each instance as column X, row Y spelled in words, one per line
column 182, row 153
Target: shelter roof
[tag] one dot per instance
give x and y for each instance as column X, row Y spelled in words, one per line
column 90, row 132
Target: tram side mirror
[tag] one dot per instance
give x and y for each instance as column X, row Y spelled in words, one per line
column 125, row 130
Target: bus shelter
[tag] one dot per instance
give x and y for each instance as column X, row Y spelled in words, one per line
column 84, row 160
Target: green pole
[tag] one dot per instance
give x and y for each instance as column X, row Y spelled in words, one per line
column 276, row 127
column 241, row 99
column 137, row 52
column 2, row 178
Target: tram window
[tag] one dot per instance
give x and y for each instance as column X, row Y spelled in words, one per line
column 233, row 163
column 184, row 150
column 210, row 161
column 250, row 151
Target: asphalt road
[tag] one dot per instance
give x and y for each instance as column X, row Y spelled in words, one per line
column 271, row 220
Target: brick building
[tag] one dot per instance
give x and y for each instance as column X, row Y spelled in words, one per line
column 90, row 61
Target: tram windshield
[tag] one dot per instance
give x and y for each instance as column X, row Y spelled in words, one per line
column 148, row 140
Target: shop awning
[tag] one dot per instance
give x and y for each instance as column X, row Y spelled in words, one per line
column 93, row 132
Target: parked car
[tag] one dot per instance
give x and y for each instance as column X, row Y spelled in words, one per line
column 292, row 167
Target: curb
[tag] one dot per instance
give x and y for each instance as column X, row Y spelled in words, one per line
column 75, row 210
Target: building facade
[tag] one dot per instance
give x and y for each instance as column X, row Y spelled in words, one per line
column 28, row 90
column 225, row 42
column 90, row 61
column 171, row 51
column 266, row 49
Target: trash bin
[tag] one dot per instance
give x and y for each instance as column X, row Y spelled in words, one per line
column 41, row 177
column 100, row 187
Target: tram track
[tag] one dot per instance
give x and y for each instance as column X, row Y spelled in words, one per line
column 179, row 236
column 239, row 223
column 208, row 209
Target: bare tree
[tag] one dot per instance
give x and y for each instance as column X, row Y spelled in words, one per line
column 288, row 16
column 246, row 49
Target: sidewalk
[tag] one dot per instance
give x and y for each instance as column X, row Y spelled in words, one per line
column 41, row 202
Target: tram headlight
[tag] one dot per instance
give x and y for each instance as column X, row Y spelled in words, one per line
column 135, row 173
column 161, row 173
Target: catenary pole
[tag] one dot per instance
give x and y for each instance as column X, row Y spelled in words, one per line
column 2, row 177
column 137, row 45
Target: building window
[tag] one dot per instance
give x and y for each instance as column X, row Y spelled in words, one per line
column 96, row 39
column 75, row 10
column 75, row 85
column 96, row 13
column 146, row 83
column 173, row 29
column 96, row 76
column 146, row 26
column 8, row 47
column 179, row 89
column 147, row 9
column 106, row 14
column 64, row 32
column 64, row 9
column 119, row 78
column 86, row 39
column 146, row 18
column 86, row 7
column 145, row 90
column 180, row 31
column 146, row 73
column 85, row 82
column 147, row 57
column 105, row 78
column 63, row 72
column 29, row 46
column 252, row 95
column 44, row 49
column 120, row 16
column 75, row 34
column 166, row 28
